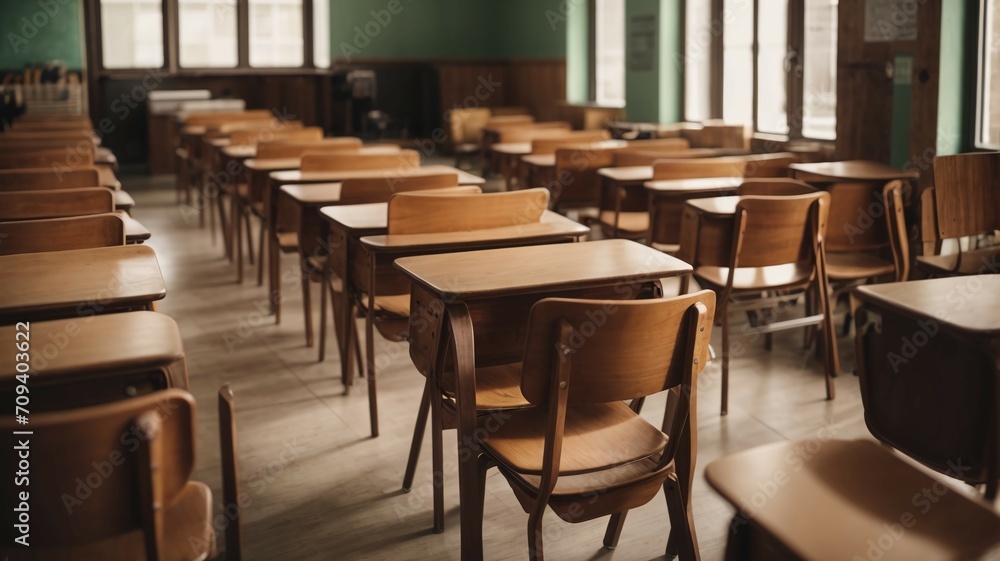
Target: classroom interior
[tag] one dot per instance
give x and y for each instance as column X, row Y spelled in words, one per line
column 498, row 280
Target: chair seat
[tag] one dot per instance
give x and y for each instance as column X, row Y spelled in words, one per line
column 973, row 262
column 497, row 387
column 856, row 266
column 635, row 223
column 467, row 148
column 288, row 242
column 597, row 481
column 756, row 278
column 669, row 248
column 187, row 527
column 597, row 436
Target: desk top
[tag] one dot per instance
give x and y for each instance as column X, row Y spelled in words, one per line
column 239, row 151
column 109, row 342
column 108, row 178
column 967, row 304
column 272, row 164
column 134, row 230
column 841, row 476
column 628, row 173
column 355, row 218
column 852, row 169
column 123, row 201
column 716, row 206
column 700, row 184
column 543, row 268
column 313, row 194
column 551, row 226
column 219, row 142
column 298, row 176
column 79, row 282
column 512, row 148
column 540, row 160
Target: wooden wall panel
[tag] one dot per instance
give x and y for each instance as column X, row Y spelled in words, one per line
column 539, row 85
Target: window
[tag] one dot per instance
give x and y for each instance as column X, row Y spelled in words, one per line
column 214, row 33
column 132, row 33
column 207, row 33
column 609, row 56
column 988, row 113
column 768, row 63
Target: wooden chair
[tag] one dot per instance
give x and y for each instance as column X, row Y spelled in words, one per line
column 112, row 357
column 717, row 134
column 52, row 158
column 847, row 269
column 548, row 144
column 284, row 228
column 46, row 178
column 230, row 474
column 61, row 234
column 964, row 203
column 579, row 449
column 848, row 500
column 146, row 507
column 625, row 213
column 466, row 131
column 776, row 187
column 356, row 192
column 55, row 203
column 777, row 247
column 254, row 137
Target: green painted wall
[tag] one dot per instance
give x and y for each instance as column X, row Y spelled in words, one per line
column 577, row 23
column 952, row 89
column 36, row 31
column 416, row 29
column 653, row 90
column 671, row 51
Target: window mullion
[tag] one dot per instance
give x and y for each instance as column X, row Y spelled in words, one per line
column 171, row 37
column 796, row 48
column 755, row 72
column 308, row 40
column 243, row 33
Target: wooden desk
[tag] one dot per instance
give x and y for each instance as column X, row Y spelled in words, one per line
column 849, row 170
column 666, row 203
column 929, row 365
column 475, row 305
column 135, row 232
column 706, row 236
column 362, row 255
column 841, row 499
column 296, row 176
column 80, row 282
column 123, row 201
column 99, row 359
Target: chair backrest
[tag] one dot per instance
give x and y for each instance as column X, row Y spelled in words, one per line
column 381, row 189
column 421, row 213
column 769, row 165
column 856, row 217
column 501, row 121
column 48, row 178
column 695, row 168
column 98, row 483
column 61, row 234
column 716, row 134
column 221, row 117
column 643, row 348
column 779, row 230
column 466, row 123
column 899, row 238
column 531, row 131
column 664, row 144
column 52, row 158
column 246, row 137
column 510, row 111
column 549, row 144
column 295, row 148
column 648, row 156
column 777, row 187
column 966, row 194
column 56, row 203
column 576, row 178
column 273, row 124
column 312, row 162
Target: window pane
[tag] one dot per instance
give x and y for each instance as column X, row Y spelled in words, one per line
column 698, row 60
column 321, row 33
column 132, row 33
column 819, row 70
column 772, row 90
column 737, row 52
column 989, row 86
column 276, row 33
column 207, row 33
column 610, row 52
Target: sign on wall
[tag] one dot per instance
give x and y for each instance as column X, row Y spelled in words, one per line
column 891, row 20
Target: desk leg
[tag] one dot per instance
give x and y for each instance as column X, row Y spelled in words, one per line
column 370, row 353
column 460, row 324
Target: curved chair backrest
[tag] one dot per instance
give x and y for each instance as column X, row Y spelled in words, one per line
column 647, row 156
column 769, row 165
column 576, row 180
column 295, row 148
column 501, row 121
column 381, row 189
column 664, row 144
column 779, row 230
column 61, row 234
column 57, row 203
column 466, row 124
column 856, row 221
column 273, row 124
column 647, row 344
column 549, row 144
column 208, row 119
column 777, row 187
column 53, row 158
column 421, row 213
column 109, row 448
column 254, row 137
column 312, row 162
column 696, row 168
column 966, row 198
column 899, row 238
column 48, row 178
column 530, row 131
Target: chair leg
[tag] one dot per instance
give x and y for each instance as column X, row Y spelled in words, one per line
column 324, row 287
column 237, row 237
column 260, row 252
column 847, row 324
column 246, row 222
column 485, row 463
column 307, row 307
column 830, row 342
column 683, row 540
column 418, row 438
column 370, row 355
column 274, row 277
column 535, row 541
column 614, row 530
column 227, row 238
column 357, row 352
column 723, row 314
column 437, row 458
column 212, row 203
